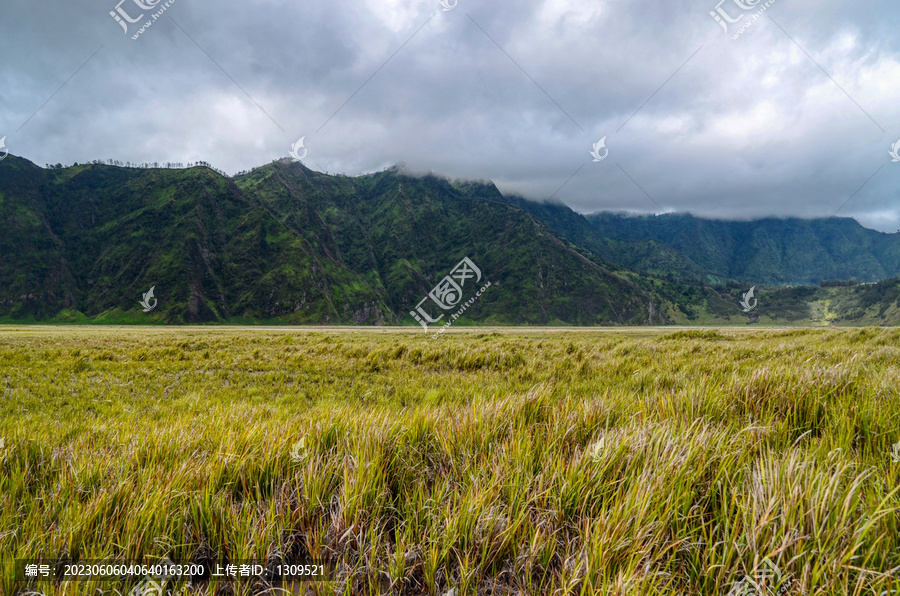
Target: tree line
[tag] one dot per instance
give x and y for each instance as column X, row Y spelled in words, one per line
column 177, row 165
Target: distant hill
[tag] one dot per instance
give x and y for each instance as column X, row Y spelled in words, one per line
column 649, row 256
column 765, row 251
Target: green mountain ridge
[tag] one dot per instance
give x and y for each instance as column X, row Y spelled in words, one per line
column 283, row 244
column 649, row 256
column 788, row 251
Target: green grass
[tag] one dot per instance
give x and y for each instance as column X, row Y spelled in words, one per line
column 490, row 461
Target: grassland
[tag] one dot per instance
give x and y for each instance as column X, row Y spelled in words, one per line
column 489, row 461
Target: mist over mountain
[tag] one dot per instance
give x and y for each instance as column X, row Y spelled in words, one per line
column 284, row 244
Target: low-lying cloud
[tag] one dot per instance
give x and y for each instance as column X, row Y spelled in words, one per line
column 795, row 117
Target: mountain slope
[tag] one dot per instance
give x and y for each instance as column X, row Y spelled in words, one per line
column 404, row 233
column 282, row 244
column 771, row 251
column 35, row 276
column 210, row 251
column 648, row 256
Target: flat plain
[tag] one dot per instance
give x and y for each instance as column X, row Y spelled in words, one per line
column 487, row 461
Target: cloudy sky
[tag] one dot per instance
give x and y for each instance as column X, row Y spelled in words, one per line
column 796, row 116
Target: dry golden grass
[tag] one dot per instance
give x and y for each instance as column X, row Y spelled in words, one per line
column 538, row 461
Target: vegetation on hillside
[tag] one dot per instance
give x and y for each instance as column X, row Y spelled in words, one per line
column 283, row 244
column 280, row 244
column 769, row 251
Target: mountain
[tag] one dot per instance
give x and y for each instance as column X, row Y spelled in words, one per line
column 649, row 256
column 765, row 251
column 709, row 293
column 282, row 243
